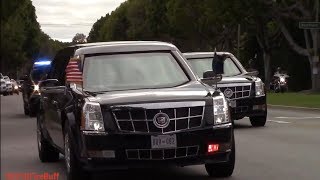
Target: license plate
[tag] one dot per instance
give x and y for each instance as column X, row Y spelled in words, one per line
column 233, row 104
column 163, row 141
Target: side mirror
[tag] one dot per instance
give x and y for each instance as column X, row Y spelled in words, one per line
column 24, row 77
column 49, row 83
column 209, row 74
column 211, row 78
column 253, row 73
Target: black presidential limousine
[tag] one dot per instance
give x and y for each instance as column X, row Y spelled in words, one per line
column 131, row 104
column 244, row 90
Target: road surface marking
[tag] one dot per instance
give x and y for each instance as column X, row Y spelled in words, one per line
column 280, row 122
column 283, row 117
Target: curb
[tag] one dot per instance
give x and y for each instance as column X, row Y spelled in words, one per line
column 294, row 108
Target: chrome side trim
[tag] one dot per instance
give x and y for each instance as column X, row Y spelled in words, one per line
column 164, row 105
column 94, row 133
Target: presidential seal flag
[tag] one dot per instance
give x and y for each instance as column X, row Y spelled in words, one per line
column 73, row 71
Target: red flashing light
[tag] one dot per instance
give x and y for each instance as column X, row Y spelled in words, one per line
column 213, row 148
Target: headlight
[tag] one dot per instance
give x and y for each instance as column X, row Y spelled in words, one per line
column 259, row 88
column 220, row 110
column 36, row 87
column 92, row 115
column 282, row 79
column 16, row 87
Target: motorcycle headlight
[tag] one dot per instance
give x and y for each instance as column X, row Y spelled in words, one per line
column 92, row 117
column 220, row 110
column 36, row 88
column 282, row 79
column 259, row 88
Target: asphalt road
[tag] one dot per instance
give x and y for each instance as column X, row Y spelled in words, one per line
column 287, row 148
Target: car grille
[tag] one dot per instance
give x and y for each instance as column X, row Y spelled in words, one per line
column 162, row 154
column 242, row 91
column 141, row 119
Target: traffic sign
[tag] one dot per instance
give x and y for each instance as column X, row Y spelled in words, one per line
column 309, row 25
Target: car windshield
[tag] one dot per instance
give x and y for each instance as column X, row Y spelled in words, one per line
column 202, row 65
column 132, row 71
column 38, row 74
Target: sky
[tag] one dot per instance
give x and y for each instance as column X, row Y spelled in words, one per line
column 62, row 19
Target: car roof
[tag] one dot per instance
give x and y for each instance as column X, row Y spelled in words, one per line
column 123, row 46
column 193, row 55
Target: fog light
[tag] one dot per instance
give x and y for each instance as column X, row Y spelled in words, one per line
column 213, row 148
column 259, row 107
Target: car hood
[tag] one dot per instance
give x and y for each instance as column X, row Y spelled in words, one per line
column 194, row 91
column 237, row 79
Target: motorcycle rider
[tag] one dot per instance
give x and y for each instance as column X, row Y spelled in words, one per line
column 279, row 82
column 278, row 71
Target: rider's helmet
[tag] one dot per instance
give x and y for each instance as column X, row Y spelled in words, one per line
column 278, row 69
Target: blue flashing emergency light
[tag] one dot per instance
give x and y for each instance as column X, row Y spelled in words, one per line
column 42, row 63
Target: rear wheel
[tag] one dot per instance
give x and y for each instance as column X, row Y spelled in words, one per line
column 223, row 169
column 47, row 153
column 258, row 121
column 26, row 110
column 74, row 169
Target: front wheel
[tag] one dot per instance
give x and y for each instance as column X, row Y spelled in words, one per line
column 74, row 169
column 258, row 121
column 223, row 169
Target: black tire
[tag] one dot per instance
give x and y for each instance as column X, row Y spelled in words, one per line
column 26, row 110
column 33, row 113
column 5, row 94
column 258, row 121
column 74, row 169
column 47, row 153
column 33, row 110
column 223, row 169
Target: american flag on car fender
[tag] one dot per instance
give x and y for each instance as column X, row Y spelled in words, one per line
column 73, row 71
